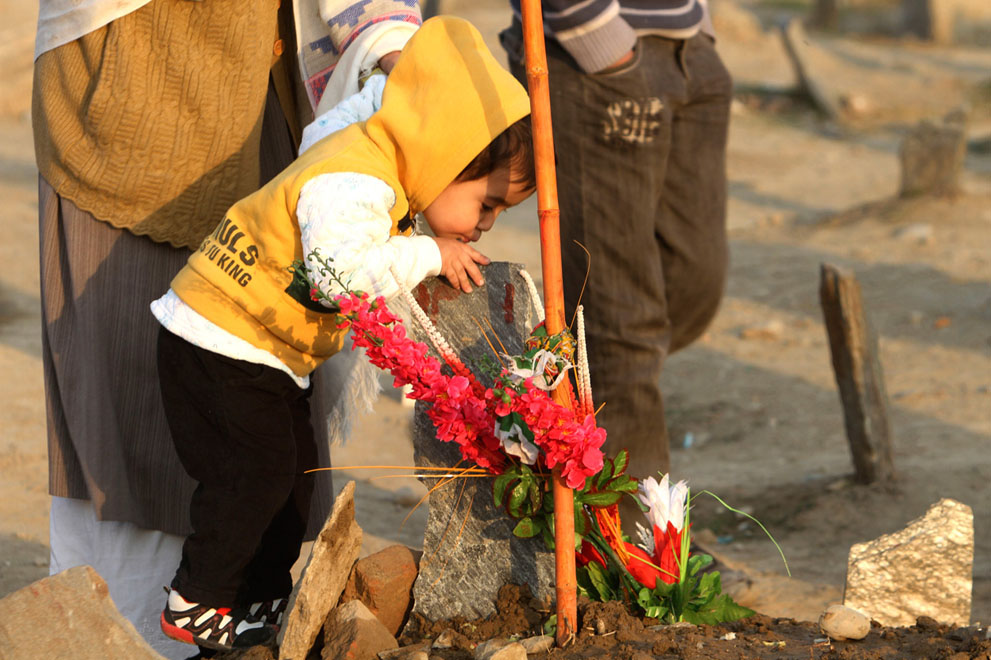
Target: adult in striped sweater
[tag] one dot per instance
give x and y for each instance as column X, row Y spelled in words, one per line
column 640, row 103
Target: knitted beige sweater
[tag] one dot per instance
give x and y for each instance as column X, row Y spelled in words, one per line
column 153, row 122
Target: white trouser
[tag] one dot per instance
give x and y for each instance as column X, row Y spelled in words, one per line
column 135, row 563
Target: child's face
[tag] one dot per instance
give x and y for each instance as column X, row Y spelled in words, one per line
column 465, row 209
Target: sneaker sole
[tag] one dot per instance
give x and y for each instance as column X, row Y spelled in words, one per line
column 185, row 636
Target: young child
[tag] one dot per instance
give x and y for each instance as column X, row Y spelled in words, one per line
column 240, row 337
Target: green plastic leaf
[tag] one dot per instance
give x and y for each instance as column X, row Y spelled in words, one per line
column 581, row 521
column 526, row 528
column 709, row 586
column 585, row 586
column 697, row 562
column 606, row 498
column 597, row 575
column 621, row 461
column 604, row 474
column 499, row 487
column 516, row 499
column 728, row 609
column 548, row 536
column 623, row 483
column 550, row 626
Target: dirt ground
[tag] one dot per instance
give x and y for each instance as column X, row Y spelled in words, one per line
column 753, row 409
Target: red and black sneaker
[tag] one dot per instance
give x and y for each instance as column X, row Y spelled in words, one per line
column 218, row 628
column 269, row 611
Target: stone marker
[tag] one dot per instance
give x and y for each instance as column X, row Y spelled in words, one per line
column 354, row 633
column 334, row 553
column 812, row 67
column 469, row 549
column 840, row 622
column 68, row 615
column 923, row 570
column 857, row 368
column 383, row 581
column 949, row 21
column 932, row 156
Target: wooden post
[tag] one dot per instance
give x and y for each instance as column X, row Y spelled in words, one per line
column 550, row 255
column 824, row 15
column 853, row 345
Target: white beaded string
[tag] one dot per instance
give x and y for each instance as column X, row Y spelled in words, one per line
column 534, row 294
column 584, row 380
column 436, row 338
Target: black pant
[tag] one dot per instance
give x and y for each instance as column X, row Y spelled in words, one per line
column 641, row 169
column 243, row 431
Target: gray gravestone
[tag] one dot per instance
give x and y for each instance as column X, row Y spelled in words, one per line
column 469, row 550
column 932, row 156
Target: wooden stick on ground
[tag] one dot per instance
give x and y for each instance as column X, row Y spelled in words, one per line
column 853, row 345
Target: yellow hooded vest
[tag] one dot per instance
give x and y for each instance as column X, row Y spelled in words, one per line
column 446, row 99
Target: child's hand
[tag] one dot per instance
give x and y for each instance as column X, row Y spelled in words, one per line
column 458, row 263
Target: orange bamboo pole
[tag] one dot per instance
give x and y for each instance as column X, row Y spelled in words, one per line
column 550, row 256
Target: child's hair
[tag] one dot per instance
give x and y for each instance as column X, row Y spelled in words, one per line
column 512, row 148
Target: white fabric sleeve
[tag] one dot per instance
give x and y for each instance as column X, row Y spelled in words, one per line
column 345, row 215
column 355, row 108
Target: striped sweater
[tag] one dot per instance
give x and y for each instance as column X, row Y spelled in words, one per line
column 598, row 32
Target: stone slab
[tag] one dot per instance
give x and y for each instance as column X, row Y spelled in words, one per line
column 68, row 615
column 334, row 553
column 469, row 550
column 925, row 569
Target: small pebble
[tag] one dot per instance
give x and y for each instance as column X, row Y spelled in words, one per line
column 769, row 331
column 540, row 644
column 445, row 640
column 600, row 627
column 728, row 636
column 921, row 233
column 840, row 623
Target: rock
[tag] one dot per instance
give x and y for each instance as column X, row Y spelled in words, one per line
column 500, row 649
column 772, row 330
column 352, row 632
column 68, row 615
column 383, row 582
column 334, row 553
column 856, row 105
column 411, row 652
column 451, row 639
column 469, row 549
column 919, row 232
column 923, row 570
column 539, row 644
column 842, row 623
column 948, row 21
column 932, row 157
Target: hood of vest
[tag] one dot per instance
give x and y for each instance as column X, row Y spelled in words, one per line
column 445, row 100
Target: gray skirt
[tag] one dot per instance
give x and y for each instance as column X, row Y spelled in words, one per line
column 108, row 440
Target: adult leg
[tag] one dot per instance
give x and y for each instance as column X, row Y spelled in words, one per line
column 103, row 415
column 691, row 219
column 612, row 135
